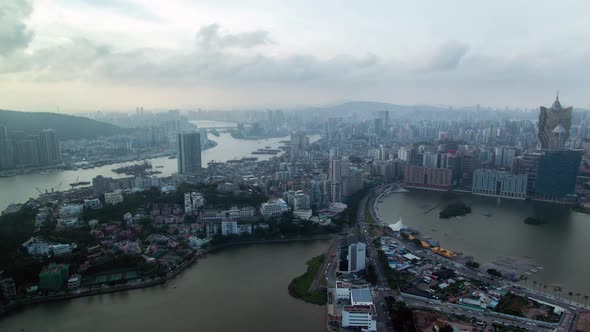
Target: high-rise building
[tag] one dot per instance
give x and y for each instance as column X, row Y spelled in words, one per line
column 26, row 153
column 189, row 152
column 499, row 184
column 335, row 173
column 6, row 154
column 48, row 147
column 552, row 119
column 3, row 133
column 556, row 175
column 428, row 178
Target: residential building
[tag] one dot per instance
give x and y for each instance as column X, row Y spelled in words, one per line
column 189, row 152
column 48, row 147
column 428, row 178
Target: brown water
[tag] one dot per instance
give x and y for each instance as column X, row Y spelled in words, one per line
column 496, row 229
column 238, row 289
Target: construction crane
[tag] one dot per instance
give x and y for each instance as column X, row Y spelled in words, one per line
column 39, row 190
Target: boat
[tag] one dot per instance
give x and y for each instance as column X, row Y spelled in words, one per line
column 159, row 166
column 80, row 183
column 172, row 157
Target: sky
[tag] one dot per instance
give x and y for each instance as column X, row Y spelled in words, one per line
column 86, row 55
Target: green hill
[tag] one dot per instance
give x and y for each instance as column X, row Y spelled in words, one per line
column 66, row 126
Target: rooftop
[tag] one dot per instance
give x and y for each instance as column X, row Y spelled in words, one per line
column 360, row 295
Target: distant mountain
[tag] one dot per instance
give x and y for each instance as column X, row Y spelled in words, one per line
column 66, row 126
column 360, row 107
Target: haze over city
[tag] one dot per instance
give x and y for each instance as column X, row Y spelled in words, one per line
column 113, row 55
column 334, row 166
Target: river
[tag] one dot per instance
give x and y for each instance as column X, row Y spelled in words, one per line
column 496, row 229
column 18, row 189
column 238, row 289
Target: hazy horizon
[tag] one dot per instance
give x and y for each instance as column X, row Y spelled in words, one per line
column 119, row 54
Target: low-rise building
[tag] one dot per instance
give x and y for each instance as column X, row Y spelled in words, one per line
column 93, row 203
column 36, row 247
column 74, row 282
column 113, row 198
column 274, row 208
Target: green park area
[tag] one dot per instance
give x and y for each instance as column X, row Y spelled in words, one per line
column 299, row 287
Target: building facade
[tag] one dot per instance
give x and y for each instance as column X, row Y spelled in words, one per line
column 428, row 178
column 499, row 184
column 549, row 120
column 189, row 152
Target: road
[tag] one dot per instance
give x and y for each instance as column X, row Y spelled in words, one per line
column 570, row 310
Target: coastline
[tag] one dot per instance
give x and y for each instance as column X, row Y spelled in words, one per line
column 192, row 258
column 58, row 168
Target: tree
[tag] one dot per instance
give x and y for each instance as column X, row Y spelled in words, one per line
column 495, row 272
column 571, row 294
column 585, row 300
column 446, row 328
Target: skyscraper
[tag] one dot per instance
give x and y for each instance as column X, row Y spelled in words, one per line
column 189, row 152
column 554, row 125
column 556, row 175
column 3, row 133
column 48, row 146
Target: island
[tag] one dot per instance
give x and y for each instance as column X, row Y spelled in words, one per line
column 454, row 210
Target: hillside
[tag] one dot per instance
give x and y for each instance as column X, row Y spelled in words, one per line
column 67, row 126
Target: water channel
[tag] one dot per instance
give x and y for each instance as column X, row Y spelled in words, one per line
column 238, row 289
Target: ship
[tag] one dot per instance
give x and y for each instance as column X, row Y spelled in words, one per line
column 134, row 169
column 80, row 183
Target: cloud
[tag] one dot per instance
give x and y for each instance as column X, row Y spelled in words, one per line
column 448, row 56
column 14, row 34
column 210, row 37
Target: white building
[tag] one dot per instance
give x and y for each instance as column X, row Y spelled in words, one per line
column 192, row 202
column 113, row 198
column 303, row 214
column 297, row 200
column 70, row 210
column 232, row 228
column 211, row 229
column 274, row 208
column 356, row 257
column 74, row 282
column 229, row 228
column 36, row 247
column 194, row 242
column 61, row 249
column 93, row 203
column 361, row 311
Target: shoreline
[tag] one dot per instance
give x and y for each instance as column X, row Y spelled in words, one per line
column 374, row 210
column 65, row 168
column 14, row 307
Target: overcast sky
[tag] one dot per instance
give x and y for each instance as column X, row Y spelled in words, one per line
column 118, row 54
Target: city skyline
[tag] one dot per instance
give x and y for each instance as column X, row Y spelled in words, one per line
column 234, row 56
